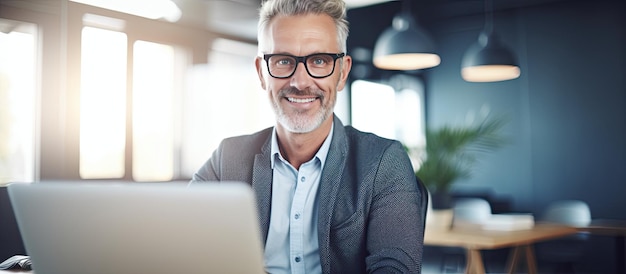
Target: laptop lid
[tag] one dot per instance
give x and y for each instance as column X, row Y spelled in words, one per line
column 138, row 227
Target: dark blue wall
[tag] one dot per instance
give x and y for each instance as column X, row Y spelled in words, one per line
column 567, row 111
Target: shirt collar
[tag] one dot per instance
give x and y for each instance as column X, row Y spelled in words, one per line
column 321, row 153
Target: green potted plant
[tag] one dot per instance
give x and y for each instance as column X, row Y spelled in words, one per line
column 452, row 152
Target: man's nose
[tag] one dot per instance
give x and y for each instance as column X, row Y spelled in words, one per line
column 301, row 78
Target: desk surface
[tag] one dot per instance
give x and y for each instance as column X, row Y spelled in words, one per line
column 606, row 227
column 492, row 239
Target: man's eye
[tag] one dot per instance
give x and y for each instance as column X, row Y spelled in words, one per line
column 318, row 61
column 284, row 62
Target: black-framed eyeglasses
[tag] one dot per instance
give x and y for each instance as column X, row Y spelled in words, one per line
column 318, row 65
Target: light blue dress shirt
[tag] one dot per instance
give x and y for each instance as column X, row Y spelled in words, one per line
column 292, row 242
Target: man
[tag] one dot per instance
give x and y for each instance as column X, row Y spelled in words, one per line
column 331, row 199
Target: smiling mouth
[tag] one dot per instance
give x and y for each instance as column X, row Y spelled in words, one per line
column 301, row 100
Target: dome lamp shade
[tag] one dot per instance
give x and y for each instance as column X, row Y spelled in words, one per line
column 488, row 60
column 405, row 46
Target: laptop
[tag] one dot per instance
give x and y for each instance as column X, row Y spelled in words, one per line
column 149, row 228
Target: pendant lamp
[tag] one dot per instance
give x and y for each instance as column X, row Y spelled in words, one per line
column 405, row 45
column 488, row 60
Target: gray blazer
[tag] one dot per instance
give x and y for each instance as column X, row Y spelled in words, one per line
column 370, row 205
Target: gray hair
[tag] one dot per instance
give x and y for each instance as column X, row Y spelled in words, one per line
column 336, row 9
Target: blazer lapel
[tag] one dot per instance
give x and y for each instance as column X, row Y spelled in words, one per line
column 329, row 185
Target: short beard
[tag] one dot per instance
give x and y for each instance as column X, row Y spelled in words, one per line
column 299, row 122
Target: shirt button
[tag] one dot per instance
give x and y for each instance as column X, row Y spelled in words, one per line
column 297, row 216
column 302, row 179
column 298, row 259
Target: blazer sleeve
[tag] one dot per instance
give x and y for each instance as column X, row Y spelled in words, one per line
column 395, row 235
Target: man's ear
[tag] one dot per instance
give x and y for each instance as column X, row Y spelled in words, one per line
column 258, row 63
column 345, row 70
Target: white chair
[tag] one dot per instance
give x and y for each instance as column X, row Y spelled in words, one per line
column 568, row 212
column 473, row 210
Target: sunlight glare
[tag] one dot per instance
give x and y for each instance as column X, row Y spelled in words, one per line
column 103, row 104
column 17, row 106
column 368, row 111
column 153, row 114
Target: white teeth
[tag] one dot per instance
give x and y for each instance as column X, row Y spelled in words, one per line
column 296, row 100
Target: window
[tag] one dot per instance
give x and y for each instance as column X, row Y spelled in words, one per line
column 18, row 102
column 392, row 110
column 102, row 104
column 373, row 107
column 155, row 108
column 155, row 114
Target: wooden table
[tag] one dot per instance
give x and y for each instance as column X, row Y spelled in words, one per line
column 475, row 240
